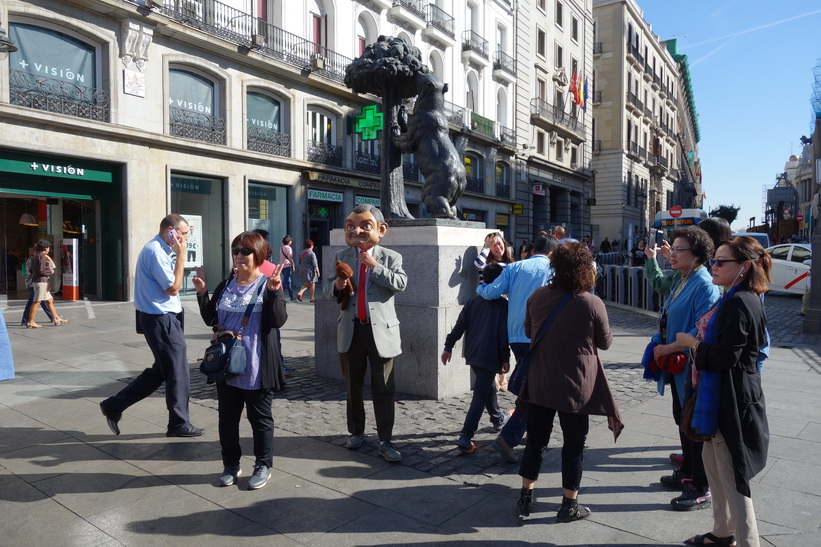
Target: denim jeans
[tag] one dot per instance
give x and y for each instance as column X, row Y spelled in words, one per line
column 286, row 281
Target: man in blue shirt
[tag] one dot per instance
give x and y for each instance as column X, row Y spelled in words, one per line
column 157, row 282
column 518, row 281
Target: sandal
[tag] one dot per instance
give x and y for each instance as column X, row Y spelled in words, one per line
column 33, row 325
column 59, row 321
column 713, row 540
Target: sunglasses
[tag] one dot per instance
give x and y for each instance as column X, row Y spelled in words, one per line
column 713, row 262
column 244, row 250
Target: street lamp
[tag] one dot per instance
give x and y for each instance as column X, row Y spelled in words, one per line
column 6, row 45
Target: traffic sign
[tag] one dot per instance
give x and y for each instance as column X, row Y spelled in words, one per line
column 675, row 211
column 799, row 218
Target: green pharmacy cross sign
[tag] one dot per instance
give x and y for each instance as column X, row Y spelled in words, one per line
column 369, row 123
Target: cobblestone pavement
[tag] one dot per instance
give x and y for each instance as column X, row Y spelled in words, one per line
column 426, row 430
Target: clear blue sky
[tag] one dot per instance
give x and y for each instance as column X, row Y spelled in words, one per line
column 751, row 64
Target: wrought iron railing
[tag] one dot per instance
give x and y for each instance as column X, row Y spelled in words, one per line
column 597, row 48
column 417, row 7
column 647, row 111
column 555, row 114
column 366, row 162
column 410, row 171
column 597, row 146
column 642, row 151
column 632, row 99
column 633, row 148
column 472, row 41
column 503, row 61
column 454, row 113
column 441, row 20
column 475, row 185
column 481, row 125
column 597, row 96
column 268, row 141
column 52, row 95
column 507, row 135
column 502, row 190
column 238, row 27
column 195, row 125
column 324, row 153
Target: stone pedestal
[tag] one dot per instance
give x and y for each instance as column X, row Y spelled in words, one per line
column 438, row 257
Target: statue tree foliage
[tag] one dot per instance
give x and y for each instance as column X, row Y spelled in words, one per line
column 388, row 68
column 727, row 212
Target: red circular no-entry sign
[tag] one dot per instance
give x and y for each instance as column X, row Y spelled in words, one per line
column 675, row 211
column 799, row 218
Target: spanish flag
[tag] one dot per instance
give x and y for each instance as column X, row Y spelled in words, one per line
column 574, row 87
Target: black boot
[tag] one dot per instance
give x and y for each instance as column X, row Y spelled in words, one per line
column 525, row 502
column 571, row 510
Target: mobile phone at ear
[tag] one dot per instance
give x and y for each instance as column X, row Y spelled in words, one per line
column 171, row 236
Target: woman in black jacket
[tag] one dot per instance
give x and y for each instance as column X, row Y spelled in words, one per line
column 263, row 374
column 729, row 403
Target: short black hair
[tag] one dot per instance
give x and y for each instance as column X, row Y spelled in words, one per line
column 491, row 271
column 544, row 245
column 42, row 245
column 701, row 245
column 286, row 240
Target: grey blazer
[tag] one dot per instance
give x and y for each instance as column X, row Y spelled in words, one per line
column 385, row 279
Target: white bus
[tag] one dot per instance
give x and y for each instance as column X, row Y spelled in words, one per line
column 665, row 224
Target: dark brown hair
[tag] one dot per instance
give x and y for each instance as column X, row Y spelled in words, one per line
column 572, row 268
column 700, row 243
column 308, row 243
column 756, row 275
column 253, row 240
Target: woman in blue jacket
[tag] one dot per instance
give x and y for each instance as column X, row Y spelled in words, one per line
column 691, row 297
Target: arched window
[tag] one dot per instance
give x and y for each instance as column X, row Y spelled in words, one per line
column 502, row 180
column 436, row 65
column 472, row 95
column 501, row 107
column 316, row 25
column 193, row 106
column 45, row 59
column 321, row 131
column 473, row 172
column 264, row 125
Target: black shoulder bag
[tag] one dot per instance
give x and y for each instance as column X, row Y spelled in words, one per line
column 519, row 376
column 225, row 357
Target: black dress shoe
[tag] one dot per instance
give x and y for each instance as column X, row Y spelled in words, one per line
column 185, row 431
column 112, row 417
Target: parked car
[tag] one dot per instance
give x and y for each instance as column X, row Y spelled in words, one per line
column 764, row 239
column 791, row 261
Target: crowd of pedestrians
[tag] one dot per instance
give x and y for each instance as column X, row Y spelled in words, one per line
column 539, row 309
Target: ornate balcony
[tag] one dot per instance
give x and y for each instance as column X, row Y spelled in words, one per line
column 455, row 114
column 502, row 190
column 410, row 171
column 58, row 96
column 507, row 136
column 324, row 153
column 195, row 125
column 475, row 49
column 553, row 118
column 475, row 185
column 269, row 142
column 632, row 102
column 481, row 125
column 367, row 163
column 504, row 67
column 241, row 28
column 597, row 48
column 410, row 12
column 440, row 27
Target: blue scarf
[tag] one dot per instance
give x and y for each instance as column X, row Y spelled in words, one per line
column 708, row 397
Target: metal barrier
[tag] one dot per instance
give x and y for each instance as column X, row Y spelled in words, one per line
column 628, row 286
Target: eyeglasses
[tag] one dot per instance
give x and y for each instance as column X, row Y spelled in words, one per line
column 244, row 250
column 713, row 262
column 677, row 250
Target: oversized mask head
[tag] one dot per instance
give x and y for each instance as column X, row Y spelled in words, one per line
column 365, row 227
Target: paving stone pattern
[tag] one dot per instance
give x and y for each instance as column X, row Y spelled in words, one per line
column 426, row 431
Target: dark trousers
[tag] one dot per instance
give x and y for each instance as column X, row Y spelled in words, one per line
column 692, row 464
column 484, row 397
column 354, row 364
column 285, row 274
column 539, row 427
column 258, row 402
column 27, row 309
column 167, row 342
column 514, row 430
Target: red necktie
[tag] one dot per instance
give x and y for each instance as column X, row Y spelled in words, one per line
column 361, row 303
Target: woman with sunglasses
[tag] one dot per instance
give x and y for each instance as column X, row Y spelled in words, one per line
column 263, row 374
column 690, row 298
column 309, row 270
column 729, row 400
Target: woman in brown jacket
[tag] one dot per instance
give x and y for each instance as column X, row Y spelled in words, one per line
column 566, row 374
